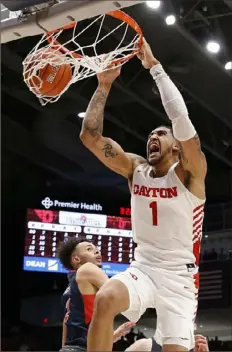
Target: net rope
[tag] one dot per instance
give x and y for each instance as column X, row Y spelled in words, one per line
column 82, row 66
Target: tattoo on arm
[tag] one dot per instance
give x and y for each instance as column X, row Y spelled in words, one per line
column 93, row 121
column 109, row 151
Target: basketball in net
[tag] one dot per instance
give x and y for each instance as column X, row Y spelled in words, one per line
column 65, row 55
column 52, row 78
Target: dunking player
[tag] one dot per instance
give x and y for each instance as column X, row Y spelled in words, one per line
column 167, row 201
column 86, row 277
column 149, row 345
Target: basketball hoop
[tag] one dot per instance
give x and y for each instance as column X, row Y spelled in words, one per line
column 85, row 60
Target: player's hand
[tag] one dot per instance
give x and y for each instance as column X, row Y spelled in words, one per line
column 146, row 56
column 201, row 344
column 109, row 76
column 122, row 330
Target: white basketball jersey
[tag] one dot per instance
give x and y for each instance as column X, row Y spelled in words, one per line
column 166, row 221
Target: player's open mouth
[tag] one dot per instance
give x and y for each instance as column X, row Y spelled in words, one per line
column 154, row 148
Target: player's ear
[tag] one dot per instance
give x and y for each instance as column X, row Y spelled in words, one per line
column 175, row 149
column 76, row 260
column 175, row 146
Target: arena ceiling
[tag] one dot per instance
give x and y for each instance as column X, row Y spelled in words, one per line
column 49, row 136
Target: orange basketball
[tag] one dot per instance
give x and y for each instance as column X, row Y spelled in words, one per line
column 54, row 77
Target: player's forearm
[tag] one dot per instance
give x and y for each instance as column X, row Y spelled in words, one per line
column 116, row 336
column 93, row 120
column 174, row 105
column 64, row 334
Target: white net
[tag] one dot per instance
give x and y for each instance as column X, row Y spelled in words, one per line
column 85, row 60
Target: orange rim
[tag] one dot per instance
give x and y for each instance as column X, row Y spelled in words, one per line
column 120, row 15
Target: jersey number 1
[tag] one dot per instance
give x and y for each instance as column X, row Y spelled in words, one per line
column 153, row 206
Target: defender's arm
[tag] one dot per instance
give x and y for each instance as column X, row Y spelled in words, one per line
column 64, row 330
column 64, row 333
column 92, row 274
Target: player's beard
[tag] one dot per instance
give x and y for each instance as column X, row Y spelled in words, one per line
column 156, row 161
column 160, row 158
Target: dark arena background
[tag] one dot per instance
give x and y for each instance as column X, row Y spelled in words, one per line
column 53, row 187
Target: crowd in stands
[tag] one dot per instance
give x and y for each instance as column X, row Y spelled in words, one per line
column 28, row 338
column 213, row 254
column 214, row 344
column 218, row 345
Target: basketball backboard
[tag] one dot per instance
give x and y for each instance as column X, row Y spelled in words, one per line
column 51, row 14
column 17, row 5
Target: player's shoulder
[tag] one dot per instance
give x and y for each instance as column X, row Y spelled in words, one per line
column 141, row 166
column 86, row 267
column 138, row 167
column 136, row 160
column 71, row 275
column 86, row 270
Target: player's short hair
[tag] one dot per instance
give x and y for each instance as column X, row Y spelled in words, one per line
column 171, row 130
column 167, row 126
column 67, row 248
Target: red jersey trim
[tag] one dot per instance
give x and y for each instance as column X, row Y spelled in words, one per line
column 88, row 307
column 198, row 217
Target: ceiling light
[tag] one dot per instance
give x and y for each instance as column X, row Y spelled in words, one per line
column 213, row 47
column 153, row 4
column 81, row 115
column 228, row 65
column 170, row 20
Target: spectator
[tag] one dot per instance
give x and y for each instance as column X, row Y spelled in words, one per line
column 213, row 255
column 205, row 255
column 222, row 255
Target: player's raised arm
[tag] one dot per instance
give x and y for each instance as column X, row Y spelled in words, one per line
column 192, row 158
column 105, row 149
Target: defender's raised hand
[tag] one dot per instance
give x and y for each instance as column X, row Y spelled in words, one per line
column 201, row 344
column 123, row 330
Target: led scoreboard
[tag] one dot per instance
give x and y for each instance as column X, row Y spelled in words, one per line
column 47, row 228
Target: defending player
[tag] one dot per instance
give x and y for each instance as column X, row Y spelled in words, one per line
column 84, row 259
column 86, row 276
column 167, row 202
